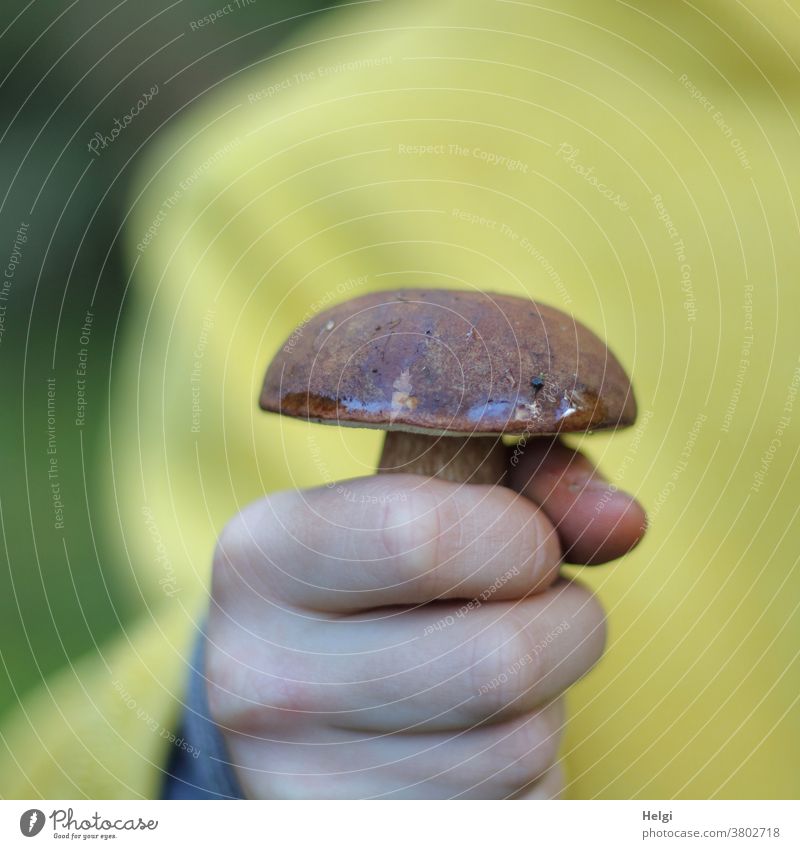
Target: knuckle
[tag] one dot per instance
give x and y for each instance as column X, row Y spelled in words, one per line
column 531, row 750
column 234, row 544
column 410, row 530
column 245, row 698
column 226, row 563
column 246, row 546
column 280, row 699
column 590, row 618
column 220, row 683
column 500, row 679
column 228, row 548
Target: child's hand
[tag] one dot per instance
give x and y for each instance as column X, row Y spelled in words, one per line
column 397, row 636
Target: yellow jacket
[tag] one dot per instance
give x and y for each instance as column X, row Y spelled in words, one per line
column 634, row 164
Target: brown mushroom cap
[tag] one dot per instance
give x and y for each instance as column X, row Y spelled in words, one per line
column 442, row 361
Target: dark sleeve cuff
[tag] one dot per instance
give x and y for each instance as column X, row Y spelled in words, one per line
column 199, row 766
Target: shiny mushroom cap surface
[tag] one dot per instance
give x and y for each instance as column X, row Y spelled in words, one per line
column 442, row 361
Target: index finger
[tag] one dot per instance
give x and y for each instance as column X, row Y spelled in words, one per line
column 389, row 539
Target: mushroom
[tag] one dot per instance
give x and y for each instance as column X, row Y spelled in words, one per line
column 445, row 373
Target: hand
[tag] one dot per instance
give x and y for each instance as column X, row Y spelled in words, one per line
column 397, row 636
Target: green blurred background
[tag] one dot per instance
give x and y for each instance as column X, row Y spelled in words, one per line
column 69, row 70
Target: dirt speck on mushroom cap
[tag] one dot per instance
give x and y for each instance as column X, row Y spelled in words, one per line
column 449, row 361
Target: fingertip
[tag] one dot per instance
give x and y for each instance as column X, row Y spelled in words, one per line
column 604, row 528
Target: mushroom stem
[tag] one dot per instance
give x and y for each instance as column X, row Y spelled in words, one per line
column 461, row 459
